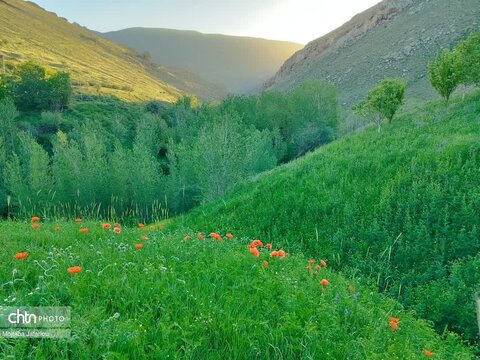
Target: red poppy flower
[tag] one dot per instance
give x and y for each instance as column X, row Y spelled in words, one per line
column 269, row 246
column 116, row 225
column 21, row 256
column 186, row 238
column 324, row 264
column 311, row 262
column 395, row 320
column 35, row 219
column 265, row 263
column 84, row 230
column 309, row 267
column 229, row 236
column 35, row 226
column 254, row 252
column 274, row 254
column 117, row 230
column 57, row 228
column 216, row 236
column 106, row 226
column 427, row 353
column 200, row 237
column 318, row 267
column 74, row 269
column 141, row 226
column 257, row 243
column 324, row 282
column 144, row 237
column 281, row 254
column 393, row 325
column 78, row 220
column 139, row 246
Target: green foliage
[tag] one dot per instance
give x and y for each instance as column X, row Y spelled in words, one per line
column 3, row 87
column 398, row 207
column 198, row 299
column 450, row 302
column 132, row 159
column 383, row 101
column 470, row 57
column 446, row 73
column 8, row 128
column 222, row 154
column 33, row 89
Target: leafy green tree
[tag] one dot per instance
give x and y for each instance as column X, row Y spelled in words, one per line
column 314, row 111
column 446, row 73
column 30, row 89
column 8, row 129
column 383, row 101
column 469, row 51
column 35, row 90
column 66, row 169
column 60, row 91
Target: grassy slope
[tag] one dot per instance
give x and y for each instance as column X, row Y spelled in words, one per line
column 417, row 181
column 240, row 63
column 401, row 47
column 97, row 65
column 196, row 299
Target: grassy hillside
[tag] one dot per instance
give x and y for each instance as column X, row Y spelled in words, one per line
column 97, row 66
column 392, row 39
column 197, row 299
column 239, row 63
column 400, row 205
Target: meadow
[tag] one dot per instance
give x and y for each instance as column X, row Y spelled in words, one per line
column 147, row 292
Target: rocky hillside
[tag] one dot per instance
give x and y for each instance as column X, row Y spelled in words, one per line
column 395, row 38
column 239, row 63
column 97, row 65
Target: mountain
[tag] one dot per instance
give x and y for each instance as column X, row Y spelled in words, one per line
column 400, row 207
column 395, row 38
column 239, row 63
column 97, row 65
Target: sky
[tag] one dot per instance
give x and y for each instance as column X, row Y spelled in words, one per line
column 292, row 20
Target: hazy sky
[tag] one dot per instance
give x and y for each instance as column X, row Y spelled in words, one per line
column 295, row 20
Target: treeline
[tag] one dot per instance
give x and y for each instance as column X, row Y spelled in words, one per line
column 107, row 160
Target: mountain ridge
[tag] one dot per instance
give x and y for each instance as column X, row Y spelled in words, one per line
column 97, row 65
column 392, row 39
column 241, row 63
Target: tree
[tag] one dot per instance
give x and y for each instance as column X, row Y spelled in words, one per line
column 446, row 73
column 60, row 91
column 8, row 115
column 33, row 89
column 469, row 52
column 382, row 101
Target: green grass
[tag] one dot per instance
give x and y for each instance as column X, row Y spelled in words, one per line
column 197, row 299
column 399, row 206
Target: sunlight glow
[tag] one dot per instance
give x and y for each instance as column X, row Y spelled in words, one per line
column 305, row 20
